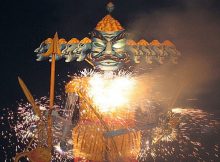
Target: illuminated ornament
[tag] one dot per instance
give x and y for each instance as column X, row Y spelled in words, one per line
column 110, row 7
column 108, row 23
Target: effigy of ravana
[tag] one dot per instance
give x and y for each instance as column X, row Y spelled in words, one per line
column 100, row 121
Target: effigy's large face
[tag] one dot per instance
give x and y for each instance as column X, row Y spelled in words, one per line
column 108, row 50
column 108, row 45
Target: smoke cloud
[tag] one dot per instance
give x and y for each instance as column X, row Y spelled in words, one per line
column 194, row 27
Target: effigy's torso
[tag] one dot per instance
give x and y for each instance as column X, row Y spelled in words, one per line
column 88, row 136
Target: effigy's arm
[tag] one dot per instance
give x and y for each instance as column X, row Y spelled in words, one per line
column 66, row 119
column 65, row 122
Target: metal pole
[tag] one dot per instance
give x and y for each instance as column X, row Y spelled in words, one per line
column 52, row 85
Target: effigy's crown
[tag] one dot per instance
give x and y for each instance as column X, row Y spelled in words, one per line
column 109, row 24
column 62, row 41
column 85, row 40
column 131, row 42
column 73, row 40
column 168, row 43
column 142, row 42
column 48, row 40
column 155, row 43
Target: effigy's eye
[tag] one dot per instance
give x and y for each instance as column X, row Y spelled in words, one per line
column 98, row 44
column 81, row 45
column 119, row 44
column 43, row 45
column 96, row 54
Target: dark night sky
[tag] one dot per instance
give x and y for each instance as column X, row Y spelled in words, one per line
column 194, row 26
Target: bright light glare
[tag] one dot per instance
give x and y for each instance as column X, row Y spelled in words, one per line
column 108, row 94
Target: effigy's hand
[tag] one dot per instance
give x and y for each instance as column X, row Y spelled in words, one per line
column 64, row 148
column 39, row 154
column 167, row 128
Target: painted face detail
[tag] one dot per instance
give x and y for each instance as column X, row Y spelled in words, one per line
column 108, row 50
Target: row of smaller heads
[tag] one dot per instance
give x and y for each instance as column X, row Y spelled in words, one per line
column 129, row 42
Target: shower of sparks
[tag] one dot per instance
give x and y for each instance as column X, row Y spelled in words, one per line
column 195, row 139
column 23, row 128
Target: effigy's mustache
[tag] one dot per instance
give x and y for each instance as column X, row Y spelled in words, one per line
column 110, row 57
